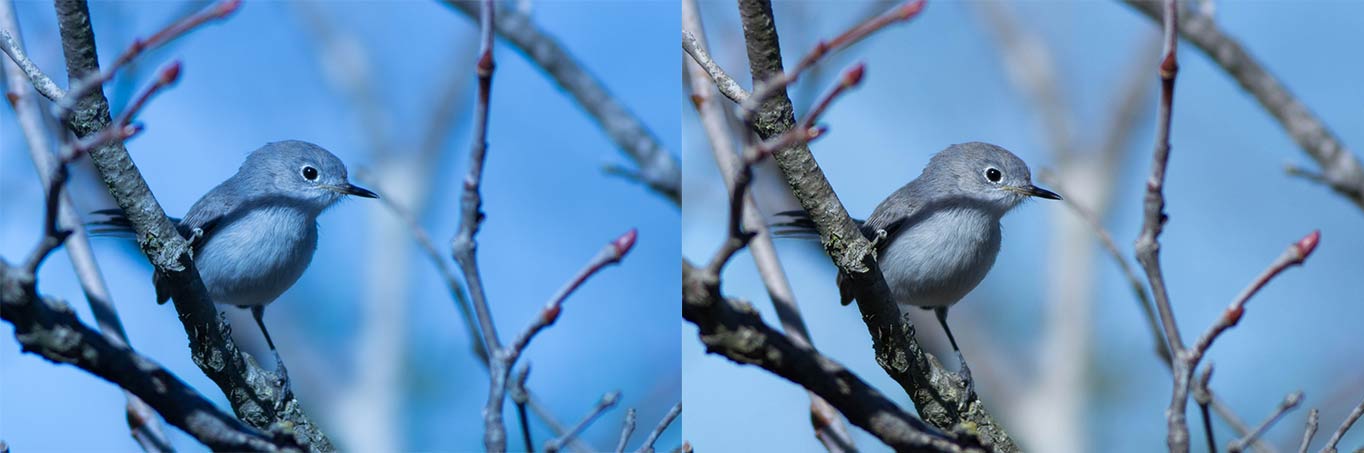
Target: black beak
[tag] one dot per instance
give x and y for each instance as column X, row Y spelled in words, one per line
column 352, row 189
column 1043, row 193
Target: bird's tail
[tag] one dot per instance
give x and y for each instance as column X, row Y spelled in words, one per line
column 795, row 224
column 113, row 223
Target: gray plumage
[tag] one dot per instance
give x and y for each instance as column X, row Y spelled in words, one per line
column 257, row 231
column 942, row 230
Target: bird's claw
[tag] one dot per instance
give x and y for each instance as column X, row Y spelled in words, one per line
column 285, row 391
column 969, row 392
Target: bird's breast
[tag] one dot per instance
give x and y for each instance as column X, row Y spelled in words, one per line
column 940, row 259
column 254, row 258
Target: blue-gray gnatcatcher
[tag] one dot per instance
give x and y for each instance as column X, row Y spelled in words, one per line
column 941, row 231
column 254, row 234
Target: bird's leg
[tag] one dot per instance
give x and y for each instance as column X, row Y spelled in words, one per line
column 876, row 239
column 965, row 372
column 282, row 373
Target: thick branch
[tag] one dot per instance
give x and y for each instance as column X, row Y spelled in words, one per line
column 50, row 328
column 658, row 169
column 249, row 389
column 926, row 382
column 735, row 330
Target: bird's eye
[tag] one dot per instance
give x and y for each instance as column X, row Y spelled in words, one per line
column 309, row 173
column 993, row 174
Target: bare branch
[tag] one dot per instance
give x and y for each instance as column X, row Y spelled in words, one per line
column 658, row 169
column 662, row 426
column 764, row 90
column 626, row 429
column 1289, row 402
column 41, row 82
column 249, row 389
column 1340, row 168
column 520, row 397
column 1293, row 256
column 48, row 327
column 734, row 329
column 722, row 80
column 828, row 424
column 1344, row 426
column 897, row 351
column 607, row 401
column 1203, row 397
column 88, row 83
column 1313, row 417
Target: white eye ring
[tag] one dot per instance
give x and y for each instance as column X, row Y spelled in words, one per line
column 993, row 174
column 309, row 173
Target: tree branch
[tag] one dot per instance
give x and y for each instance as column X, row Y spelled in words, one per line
column 662, row 426
column 658, row 169
column 1341, row 169
column 926, row 382
column 1344, row 426
column 50, row 329
column 607, row 401
column 249, row 389
column 1289, row 402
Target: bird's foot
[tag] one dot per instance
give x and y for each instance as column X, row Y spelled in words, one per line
column 284, row 391
column 969, row 392
column 876, row 239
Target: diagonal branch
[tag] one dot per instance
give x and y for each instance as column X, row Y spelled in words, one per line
column 926, row 382
column 50, row 328
column 249, row 389
column 1340, row 169
column 658, row 169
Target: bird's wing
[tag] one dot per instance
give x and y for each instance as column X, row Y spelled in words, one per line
column 893, row 215
column 207, row 215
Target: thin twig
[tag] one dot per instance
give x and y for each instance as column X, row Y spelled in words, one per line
column 668, row 418
column 764, row 90
column 41, row 81
column 176, row 29
column 1204, row 398
column 1147, row 245
column 1292, row 256
column 464, row 247
column 722, row 80
column 1339, row 167
column 442, row 266
column 1289, row 402
column 607, row 401
column 608, row 255
column 626, row 429
column 1313, row 419
column 119, row 131
column 1344, row 426
column 520, row 398
column 658, row 169
column 797, row 136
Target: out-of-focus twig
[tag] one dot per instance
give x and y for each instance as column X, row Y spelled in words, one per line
column 658, row 169
column 627, row 428
column 1344, row 426
column 1289, row 402
column 1340, row 169
column 662, row 426
column 607, row 401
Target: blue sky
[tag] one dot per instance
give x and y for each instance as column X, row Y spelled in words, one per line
column 260, row 76
column 939, row 80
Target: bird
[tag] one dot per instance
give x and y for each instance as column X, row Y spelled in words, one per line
column 937, row 236
column 253, row 235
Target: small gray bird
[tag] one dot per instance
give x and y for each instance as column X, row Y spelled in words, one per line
column 942, row 229
column 254, row 234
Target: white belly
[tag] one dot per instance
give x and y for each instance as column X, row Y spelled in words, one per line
column 254, row 259
column 942, row 258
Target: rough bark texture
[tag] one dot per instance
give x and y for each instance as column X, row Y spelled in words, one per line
column 928, row 384
column 50, row 329
column 249, row 388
